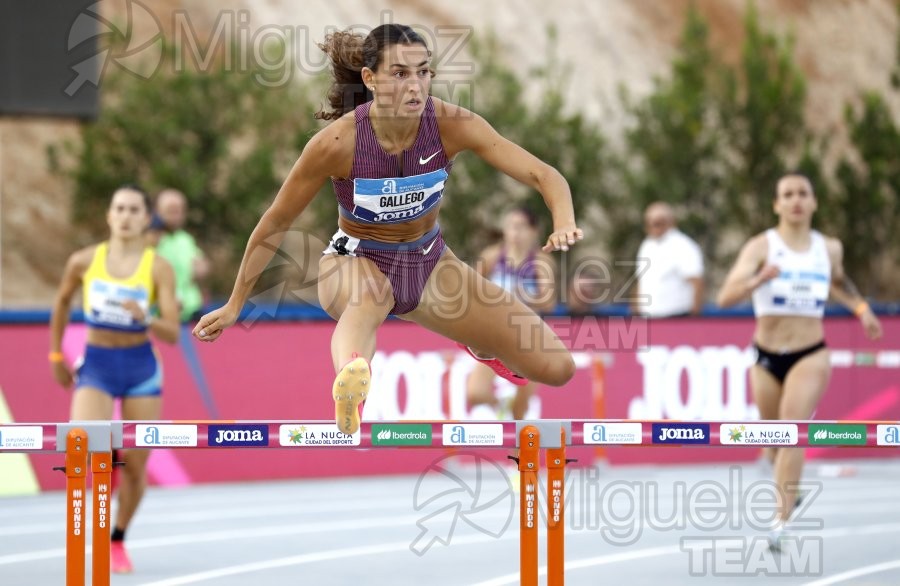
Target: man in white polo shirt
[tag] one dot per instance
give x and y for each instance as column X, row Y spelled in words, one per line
column 669, row 266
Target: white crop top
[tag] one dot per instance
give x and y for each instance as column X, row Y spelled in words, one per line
column 801, row 288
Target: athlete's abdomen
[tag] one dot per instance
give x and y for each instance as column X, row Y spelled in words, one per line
column 402, row 232
column 107, row 338
column 786, row 333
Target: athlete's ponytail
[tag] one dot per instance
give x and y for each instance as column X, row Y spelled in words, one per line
column 347, row 91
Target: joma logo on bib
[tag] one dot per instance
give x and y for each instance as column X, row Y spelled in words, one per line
column 401, row 215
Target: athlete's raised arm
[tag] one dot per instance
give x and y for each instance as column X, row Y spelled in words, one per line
column 464, row 130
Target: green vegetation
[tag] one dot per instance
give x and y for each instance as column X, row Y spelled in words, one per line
column 711, row 138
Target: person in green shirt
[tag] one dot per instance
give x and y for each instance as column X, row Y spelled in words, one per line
column 181, row 250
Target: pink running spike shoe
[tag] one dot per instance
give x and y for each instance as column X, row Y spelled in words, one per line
column 119, row 562
column 498, row 367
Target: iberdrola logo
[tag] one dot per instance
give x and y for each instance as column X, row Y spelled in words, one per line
column 736, row 434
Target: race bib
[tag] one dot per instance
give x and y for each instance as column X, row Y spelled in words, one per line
column 800, row 290
column 106, row 304
column 397, row 199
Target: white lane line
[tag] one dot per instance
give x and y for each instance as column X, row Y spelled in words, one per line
column 160, row 508
column 826, row 510
column 673, row 549
column 148, row 518
column 862, row 571
column 590, row 562
column 163, row 501
column 168, row 499
column 310, row 558
column 250, row 533
column 398, row 546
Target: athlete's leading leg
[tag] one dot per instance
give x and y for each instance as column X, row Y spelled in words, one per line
column 358, row 295
column 355, row 293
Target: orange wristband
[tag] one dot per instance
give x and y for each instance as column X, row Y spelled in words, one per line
column 860, row 309
column 55, row 357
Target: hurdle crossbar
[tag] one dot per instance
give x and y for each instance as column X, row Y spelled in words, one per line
column 91, row 444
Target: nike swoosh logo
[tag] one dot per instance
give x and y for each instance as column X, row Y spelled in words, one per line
column 425, row 251
column 426, row 159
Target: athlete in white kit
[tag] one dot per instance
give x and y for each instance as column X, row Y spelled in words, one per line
column 791, row 270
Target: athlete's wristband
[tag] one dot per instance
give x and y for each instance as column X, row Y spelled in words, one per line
column 861, row 309
column 55, row 357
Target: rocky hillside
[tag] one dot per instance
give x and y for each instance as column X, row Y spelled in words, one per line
column 843, row 47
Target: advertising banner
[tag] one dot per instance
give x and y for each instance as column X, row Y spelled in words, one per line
column 686, row 370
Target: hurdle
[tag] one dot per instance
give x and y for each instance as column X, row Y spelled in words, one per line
column 90, row 444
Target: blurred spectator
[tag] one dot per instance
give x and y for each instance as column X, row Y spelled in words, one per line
column 669, row 266
column 154, row 231
column 181, row 250
column 518, row 265
column 587, row 288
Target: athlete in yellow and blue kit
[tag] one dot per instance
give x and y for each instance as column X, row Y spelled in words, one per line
column 121, row 282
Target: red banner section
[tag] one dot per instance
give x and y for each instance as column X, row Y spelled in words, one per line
column 627, row 369
column 697, row 370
